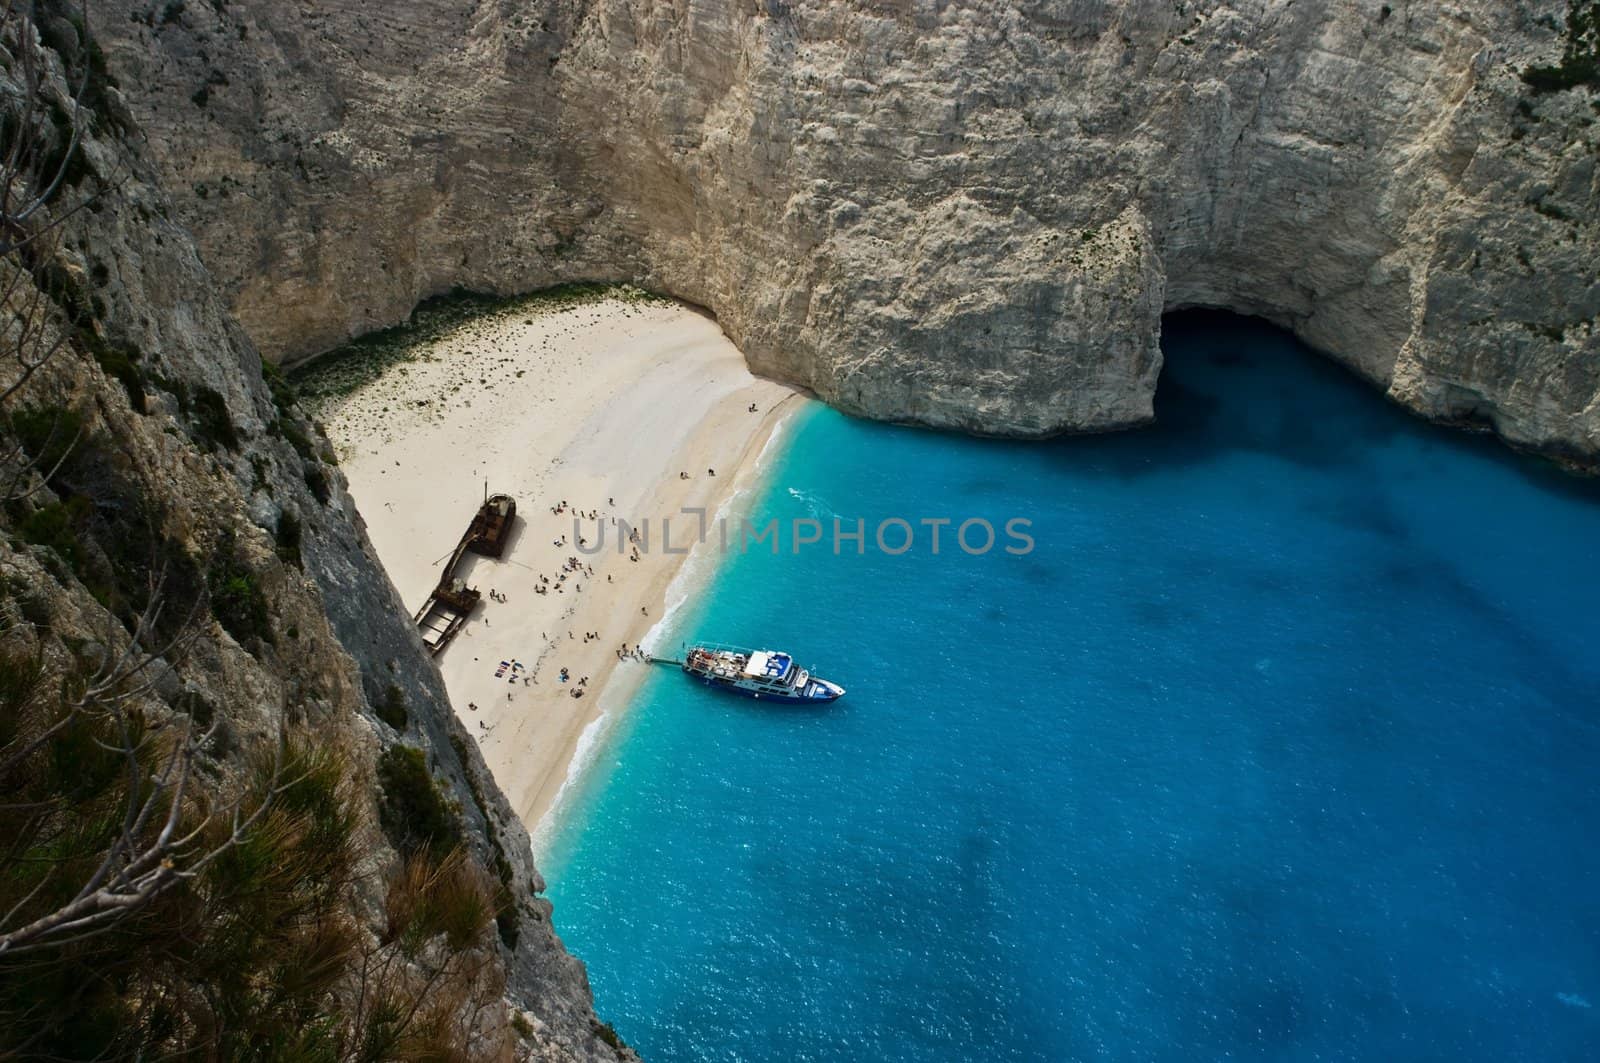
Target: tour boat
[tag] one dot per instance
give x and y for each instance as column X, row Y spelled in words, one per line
column 762, row 674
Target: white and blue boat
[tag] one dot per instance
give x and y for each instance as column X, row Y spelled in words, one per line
column 762, row 674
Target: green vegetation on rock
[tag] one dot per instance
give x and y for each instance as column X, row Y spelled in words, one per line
column 264, row 927
column 392, row 708
column 1580, row 58
column 415, row 813
column 507, row 917
column 237, row 600
column 345, row 370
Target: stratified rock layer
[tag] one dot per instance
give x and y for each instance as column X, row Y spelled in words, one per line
column 969, row 215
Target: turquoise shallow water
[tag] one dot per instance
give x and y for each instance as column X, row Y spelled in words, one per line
column 1280, row 745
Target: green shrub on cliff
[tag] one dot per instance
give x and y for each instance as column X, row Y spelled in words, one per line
column 237, row 600
column 254, row 951
column 49, row 436
column 392, row 708
column 235, row 960
column 1580, row 57
column 415, row 813
column 57, row 525
column 506, row 920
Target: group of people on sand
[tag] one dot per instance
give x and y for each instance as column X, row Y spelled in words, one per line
column 684, row 476
column 573, row 566
column 570, row 567
column 587, row 514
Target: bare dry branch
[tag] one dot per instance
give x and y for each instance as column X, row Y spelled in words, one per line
column 155, row 848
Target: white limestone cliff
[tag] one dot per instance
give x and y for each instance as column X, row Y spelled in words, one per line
column 968, row 215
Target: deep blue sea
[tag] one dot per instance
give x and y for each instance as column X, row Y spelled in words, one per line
column 1282, row 744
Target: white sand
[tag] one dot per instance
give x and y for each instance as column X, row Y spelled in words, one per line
column 601, row 405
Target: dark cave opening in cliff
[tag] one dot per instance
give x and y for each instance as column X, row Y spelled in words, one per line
column 1233, row 383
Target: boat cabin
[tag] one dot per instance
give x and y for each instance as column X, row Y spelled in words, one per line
column 758, row 674
column 491, row 527
column 768, row 669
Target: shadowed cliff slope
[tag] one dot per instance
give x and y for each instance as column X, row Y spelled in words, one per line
column 148, row 462
column 968, row 215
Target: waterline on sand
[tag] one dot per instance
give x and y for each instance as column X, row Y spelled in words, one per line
column 610, row 408
column 621, row 689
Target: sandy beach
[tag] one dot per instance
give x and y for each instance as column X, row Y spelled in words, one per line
column 605, row 406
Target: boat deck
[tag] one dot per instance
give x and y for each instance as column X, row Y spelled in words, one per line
column 447, row 609
column 438, row 624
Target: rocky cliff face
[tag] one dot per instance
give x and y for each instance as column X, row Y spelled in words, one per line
column 969, row 215
column 191, row 469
